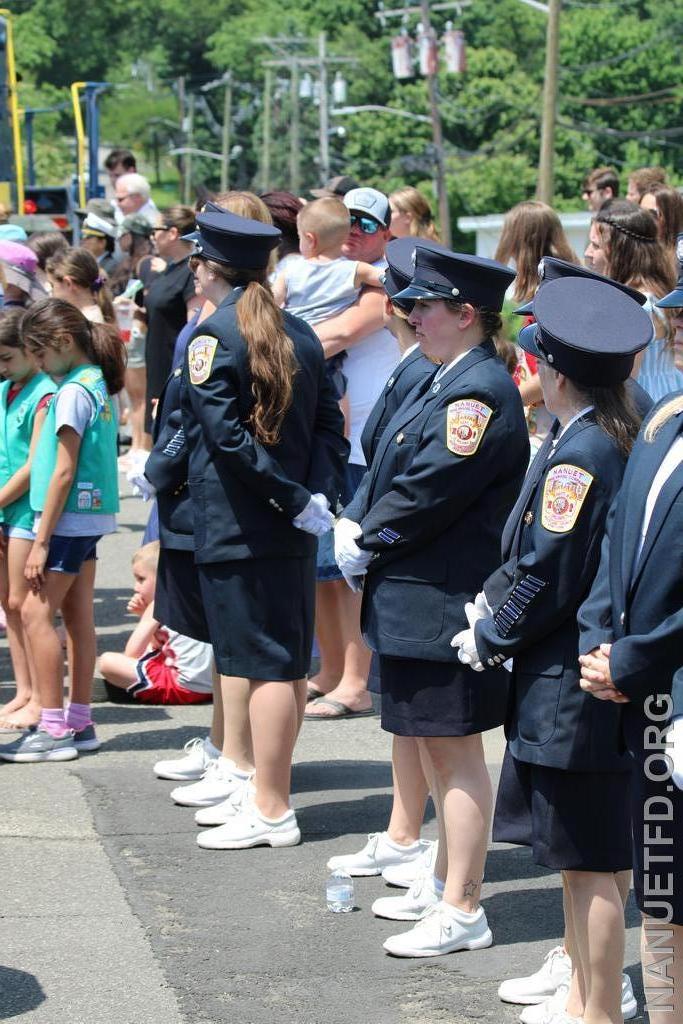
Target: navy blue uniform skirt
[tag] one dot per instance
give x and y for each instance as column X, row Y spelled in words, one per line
column 573, row 821
column 260, row 613
column 440, row 698
column 178, row 599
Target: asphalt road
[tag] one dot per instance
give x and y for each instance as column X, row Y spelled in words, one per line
column 110, row 913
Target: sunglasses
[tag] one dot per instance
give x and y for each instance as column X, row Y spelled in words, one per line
column 367, row 225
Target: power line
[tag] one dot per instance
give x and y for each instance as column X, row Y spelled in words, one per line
column 668, row 95
column 672, row 30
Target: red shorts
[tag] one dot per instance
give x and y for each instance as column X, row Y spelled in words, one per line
column 158, row 683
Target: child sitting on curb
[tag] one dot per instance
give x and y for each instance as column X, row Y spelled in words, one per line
column 158, row 666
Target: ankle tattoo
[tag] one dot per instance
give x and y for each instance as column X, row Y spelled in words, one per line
column 471, row 888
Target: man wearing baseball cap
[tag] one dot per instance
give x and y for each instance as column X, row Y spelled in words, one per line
column 372, row 352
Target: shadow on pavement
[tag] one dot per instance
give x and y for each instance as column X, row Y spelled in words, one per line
column 19, row 992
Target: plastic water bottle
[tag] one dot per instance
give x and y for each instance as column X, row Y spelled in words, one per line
column 340, row 892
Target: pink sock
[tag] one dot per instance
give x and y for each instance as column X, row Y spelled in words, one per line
column 52, row 720
column 78, row 716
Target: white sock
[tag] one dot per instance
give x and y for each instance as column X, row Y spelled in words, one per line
column 438, row 885
column 399, row 846
column 460, row 915
column 214, row 751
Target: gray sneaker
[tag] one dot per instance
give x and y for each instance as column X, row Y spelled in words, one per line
column 85, row 740
column 38, row 745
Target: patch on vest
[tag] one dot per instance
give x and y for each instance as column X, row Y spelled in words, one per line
column 465, row 425
column 200, row 356
column 564, row 492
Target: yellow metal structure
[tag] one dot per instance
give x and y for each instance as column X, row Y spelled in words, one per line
column 80, row 140
column 14, row 113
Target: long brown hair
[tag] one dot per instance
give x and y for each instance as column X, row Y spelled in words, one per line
column 634, row 254
column 47, row 323
column 411, row 201
column 669, row 213
column 83, row 269
column 270, row 350
column 615, row 413
column 531, row 230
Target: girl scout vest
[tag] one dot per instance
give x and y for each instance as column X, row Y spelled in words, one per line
column 16, row 428
column 95, row 487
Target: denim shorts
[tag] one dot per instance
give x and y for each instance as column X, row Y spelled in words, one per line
column 18, row 531
column 67, row 554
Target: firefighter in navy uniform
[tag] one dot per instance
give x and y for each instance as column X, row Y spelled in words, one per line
column 564, row 785
column 445, row 474
column 266, row 458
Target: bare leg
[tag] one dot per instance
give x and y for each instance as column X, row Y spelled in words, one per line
column 352, row 689
column 237, row 741
column 38, row 616
column 79, row 621
column 118, row 669
column 328, row 635
column 598, row 918
column 274, row 711
column 576, row 999
column 217, row 721
column 12, row 594
column 136, row 382
column 441, row 863
column 410, row 791
column 662, row 957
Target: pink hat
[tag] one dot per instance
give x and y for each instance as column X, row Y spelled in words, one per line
column 19, row 256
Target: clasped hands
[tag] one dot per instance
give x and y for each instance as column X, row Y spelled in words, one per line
column 596, row 678
column 316, row 517
column 353, row 562
column 136, row 475
column 464, row 641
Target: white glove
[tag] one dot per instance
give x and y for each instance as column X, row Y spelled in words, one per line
column 354, row 582
column 675, row 743
column 136, row 475
column 478, row 609
column 467, row 648
column 316, row 517
column 351, row 559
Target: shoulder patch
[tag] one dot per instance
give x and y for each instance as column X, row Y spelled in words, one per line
column 200, row 357
column 465, row 425
column 564, row 491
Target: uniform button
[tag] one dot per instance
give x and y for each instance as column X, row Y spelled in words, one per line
column 529, row 518
column 622, row 618
column 390, row 383
column 399, row 438
column 271, row 501
column 491, row 662
column 436, row 388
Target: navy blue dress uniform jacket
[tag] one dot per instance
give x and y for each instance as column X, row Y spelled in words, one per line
column 433, row 516
column 412, row 369
column 551, row 552
column 636, row 603
column 167, row 468
column 245, row 494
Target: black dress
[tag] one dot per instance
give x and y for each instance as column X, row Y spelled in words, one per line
column 166, row 305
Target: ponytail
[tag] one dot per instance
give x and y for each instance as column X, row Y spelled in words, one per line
column 270, row 350
column 615, row 414
column 82, row 268
column 45, row 323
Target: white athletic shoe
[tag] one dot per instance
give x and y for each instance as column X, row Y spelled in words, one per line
column 225, row 811
column 404, row 874
column 199, row 753
column 536, row 1014
column 441, row 931
column 536, row 988
column 411, row 905
column 221, row 779
column 378, row 853
column 249, row 828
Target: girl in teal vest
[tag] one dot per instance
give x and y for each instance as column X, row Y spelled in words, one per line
column 24, row 396
column 74, row 495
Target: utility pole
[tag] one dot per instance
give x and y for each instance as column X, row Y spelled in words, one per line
column 189, row 133
column 227, row 116
column 267, row 117
column 294, row 131
column 544, row 188
column 437, row 136
column 324, row 121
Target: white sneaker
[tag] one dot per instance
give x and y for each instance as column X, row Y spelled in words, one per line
column 221, row 779
column 410, row 906
column 536, row 988
column 249, row 828
column 441, row 931
column 404, row 874
column 225, row 811
column 379, row 852
column 537, row 1014
column 199, row 753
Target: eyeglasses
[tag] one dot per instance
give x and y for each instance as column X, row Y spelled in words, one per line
column 367, row 225
column 163, row 227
